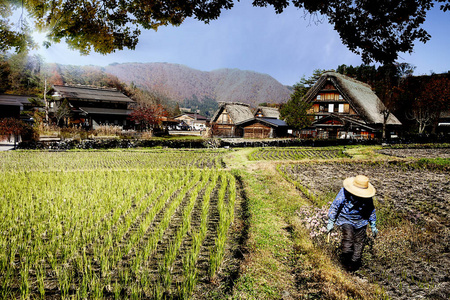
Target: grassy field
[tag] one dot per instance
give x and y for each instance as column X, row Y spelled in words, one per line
column 216, row 224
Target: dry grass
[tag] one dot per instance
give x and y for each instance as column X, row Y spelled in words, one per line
column 319, row 276
column 108, row 130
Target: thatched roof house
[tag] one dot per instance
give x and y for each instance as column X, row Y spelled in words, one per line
column 342, row 104
column 240, row 120
column 227, row 116
column 267, row 112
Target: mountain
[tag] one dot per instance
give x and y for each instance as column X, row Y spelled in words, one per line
column 180, row 82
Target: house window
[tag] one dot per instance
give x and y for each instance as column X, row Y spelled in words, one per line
column 318, row 97
column 321, row 108
column 341, row 108
column 330, row 107
column 340, row 97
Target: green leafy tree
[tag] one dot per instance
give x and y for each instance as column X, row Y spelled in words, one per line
column 63, row 112
column 376, row 30
column 295, row 111
column 14, row 35
column 5, row 70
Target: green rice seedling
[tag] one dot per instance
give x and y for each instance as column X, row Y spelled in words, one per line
column 82, row 292
column 165, row 278
column 64, row 281
column 96, row 287
column 40, row 278
column 24, row 283
column 135, row 292
column 117, row 289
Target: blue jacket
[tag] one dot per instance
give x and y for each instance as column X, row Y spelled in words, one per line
column 348, row 209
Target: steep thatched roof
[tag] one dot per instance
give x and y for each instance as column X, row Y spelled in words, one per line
column 268, row 112
column 358, row 94
column 238, row 112
column 90, row 94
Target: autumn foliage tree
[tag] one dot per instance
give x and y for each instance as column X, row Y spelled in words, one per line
column 15, row 128
column 432, row 99
column 148, row 116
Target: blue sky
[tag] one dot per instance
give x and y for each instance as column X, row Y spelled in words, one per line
column 285, row 46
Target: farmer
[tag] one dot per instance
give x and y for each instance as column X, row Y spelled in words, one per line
column 353, row 209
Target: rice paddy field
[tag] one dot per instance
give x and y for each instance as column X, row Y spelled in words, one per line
column 297, row 153
column 112, row 224
column 218, row 224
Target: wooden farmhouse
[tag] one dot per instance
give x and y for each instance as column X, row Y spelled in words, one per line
column 265, row 124
column 345, row 108
column 12, row 105
column 239, row 120
column 91, row 107
column 225, row 119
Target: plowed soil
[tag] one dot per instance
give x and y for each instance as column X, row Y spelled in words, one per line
column 418, row 153
column 410, row 259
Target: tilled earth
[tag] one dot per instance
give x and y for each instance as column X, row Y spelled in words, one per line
column 418, row 153
column 410, row 259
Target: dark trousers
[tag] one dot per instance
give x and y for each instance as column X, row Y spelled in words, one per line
column 352, row 245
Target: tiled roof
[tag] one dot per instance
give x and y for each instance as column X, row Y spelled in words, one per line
column 90, row 94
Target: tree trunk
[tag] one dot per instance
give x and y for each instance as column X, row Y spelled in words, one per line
column 45, row 101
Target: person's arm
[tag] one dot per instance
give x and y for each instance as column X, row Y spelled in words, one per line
column 335, row 208
column 373, row 223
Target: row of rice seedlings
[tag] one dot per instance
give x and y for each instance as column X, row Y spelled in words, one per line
column 171, row 252
column 294, row 154
column 226, row 216
column 176, row 192
column 190, row 271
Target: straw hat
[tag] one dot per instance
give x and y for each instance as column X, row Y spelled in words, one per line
column 359, row 186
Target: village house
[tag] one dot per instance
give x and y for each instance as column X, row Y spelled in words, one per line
column 345, row 108
column 12, row 105
column 228, row 115
column 91, row 107
column 265, row 124
column 240, row 120
column 194, row 120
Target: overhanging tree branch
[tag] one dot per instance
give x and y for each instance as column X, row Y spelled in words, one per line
column 376, row 30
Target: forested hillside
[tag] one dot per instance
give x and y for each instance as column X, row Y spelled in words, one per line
column 179, row 82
